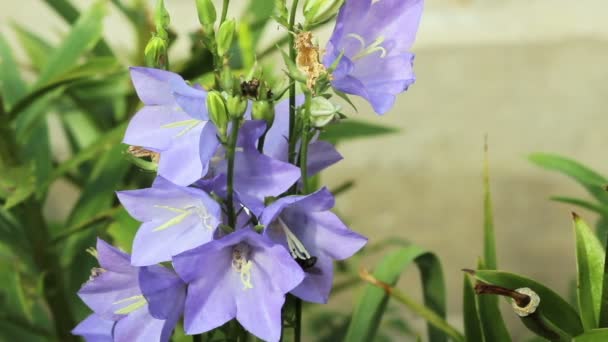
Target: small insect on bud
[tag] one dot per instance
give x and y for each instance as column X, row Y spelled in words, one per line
column 319, row 11
column 224, row 37
column 237, row 106
column 322, row 111
column 217, row 111
column 263, row 110
column 250, row 88
column 155, row 53
column 206, row 12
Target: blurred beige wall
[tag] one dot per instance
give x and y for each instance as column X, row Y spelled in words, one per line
column 530, row 74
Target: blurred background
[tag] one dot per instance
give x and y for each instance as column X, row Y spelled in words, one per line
column 529, row 74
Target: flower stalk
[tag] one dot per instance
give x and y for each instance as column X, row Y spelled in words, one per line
column 230, row 152
column 292, row 87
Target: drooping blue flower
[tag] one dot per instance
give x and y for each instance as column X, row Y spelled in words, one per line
column 144, row 302
column 314, row 236
column 256, row 175
column 173, row 122
column 175, row 219
column 375, row 38
column 241, row 275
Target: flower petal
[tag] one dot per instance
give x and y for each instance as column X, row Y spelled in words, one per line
column 95, row 329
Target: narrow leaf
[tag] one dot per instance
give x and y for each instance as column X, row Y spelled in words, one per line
column 12, row 86
column 595, row 335
column 472, row 325
column 555, row 308
column 591, row 180
column 36, row 48
column 85, row 33
column 489, row 243
column 602, row 210
column 493, row 326
column 590, row 267
column 354, row 129
column 371, row 305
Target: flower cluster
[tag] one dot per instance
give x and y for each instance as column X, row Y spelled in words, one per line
column 229, row 226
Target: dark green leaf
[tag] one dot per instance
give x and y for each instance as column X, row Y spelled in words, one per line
column 556, row 309
column 590, row 267
column 353, row 129
column 582, row 203
column 472, row 325
column 371, row 305
column 493, row 326
column 595, row 335
column 36, row 48
column 489, row 240
column 85, row 33
column 12, row 86
column 68, row 12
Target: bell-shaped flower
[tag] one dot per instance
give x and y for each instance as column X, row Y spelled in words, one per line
column 321, row 154
column 241, row 275
column 175, row 219
column 95, row 329
column 314, row 236
column 256, row 175
column 174, row 122
column 371, row 40
column 144, row 302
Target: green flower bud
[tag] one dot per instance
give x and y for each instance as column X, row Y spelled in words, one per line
column 161, row 20
column 292, row 69
column 320, row 11
column 227, row 80
column 224, row 36
column 322, row 111
column 263, row 110
column 155, row 53
column 206, row 12
column 237, row 106
column 217, row 111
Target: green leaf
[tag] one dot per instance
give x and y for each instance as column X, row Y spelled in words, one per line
column 595, row 335
column 12, row 86
column 68, row 12
column 19, row 184
column 354, row 129
column 591, row 180
column 85, row 33
column 493, row 326
column 582, row 203
column 123, row 230
column 472, row 325
column 489, row 243
column 590, row 266
column 556, row 309
column 36, row 48
column 371, row 305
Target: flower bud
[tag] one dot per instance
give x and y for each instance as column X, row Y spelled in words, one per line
column 155, row 53
column 217, row 111
column 224, row 37
column 161, row 20
column 263, row 110
column 227, row 80
column 237, row 106
column 206, row 12
column 322, row 111
column 320, row 11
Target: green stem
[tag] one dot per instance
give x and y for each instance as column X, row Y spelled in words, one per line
column 224, row 11
column 419, row 309
column 298, row 323
column 303, row 162
column 234, row 134
column 292, row 87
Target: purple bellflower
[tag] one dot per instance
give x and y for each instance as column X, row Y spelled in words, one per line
column 374, row 38
column 95, row 329
column 314, row 236
column 256, row 175
column 174, row 123
column 144, row 303
column 175, row 219
column 241, row 275
column 321, row 154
